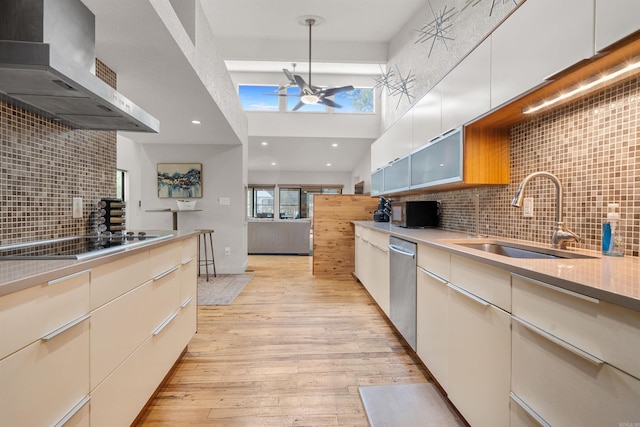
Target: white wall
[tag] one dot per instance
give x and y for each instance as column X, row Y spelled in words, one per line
column 129, row 160
column 222, row 175
column 362, row 172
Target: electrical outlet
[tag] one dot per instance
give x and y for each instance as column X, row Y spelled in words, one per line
column 527, row 207
column 227, row 251
column 76, row 210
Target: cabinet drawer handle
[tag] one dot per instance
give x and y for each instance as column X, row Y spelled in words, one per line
column 73, row 411
column 70, row 276
column 433, row 276
column 186, row 302
column 66, row 327
column 533, row 414
column 469, row 295
column 562, row 343
column 166, row 273
column 380, row 248
column 187, row 261
column 558, row 289
column 165, row 323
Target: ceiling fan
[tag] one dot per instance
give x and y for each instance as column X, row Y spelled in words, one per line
column 310, row 94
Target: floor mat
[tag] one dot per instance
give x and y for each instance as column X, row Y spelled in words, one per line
column 221, row 290
column 407, row 405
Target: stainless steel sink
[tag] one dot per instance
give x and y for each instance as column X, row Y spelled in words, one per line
column 516, row 250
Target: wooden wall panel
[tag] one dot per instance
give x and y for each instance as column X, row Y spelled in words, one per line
column 333, row 232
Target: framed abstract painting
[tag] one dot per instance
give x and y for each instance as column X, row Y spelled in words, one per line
column 179, row 180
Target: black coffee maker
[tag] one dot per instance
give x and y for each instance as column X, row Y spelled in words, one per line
column 383, row 213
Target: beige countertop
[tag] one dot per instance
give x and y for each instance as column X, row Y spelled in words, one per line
column 612, row 279
column 18, row 275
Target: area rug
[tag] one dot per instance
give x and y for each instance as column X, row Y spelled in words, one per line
column 407, row 405
column 221, row 290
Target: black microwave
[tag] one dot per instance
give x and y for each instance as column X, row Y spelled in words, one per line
column 415, row 214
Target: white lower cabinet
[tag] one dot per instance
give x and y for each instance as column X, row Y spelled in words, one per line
column 432, row 324
column 479, row 343
column 556, row 384
column 41, row 384
column 574, row 358
column 372, row 264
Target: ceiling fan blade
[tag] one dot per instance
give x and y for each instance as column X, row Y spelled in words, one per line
column 333, row 90
column 329, row 103
column 301, row 83
column 298, row 106
column 289, row 76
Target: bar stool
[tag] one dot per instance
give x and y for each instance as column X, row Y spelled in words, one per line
column 206, row 261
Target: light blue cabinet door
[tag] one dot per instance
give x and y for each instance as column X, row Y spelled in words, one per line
column 439, row 162
column 377, row 182
column 396, row 175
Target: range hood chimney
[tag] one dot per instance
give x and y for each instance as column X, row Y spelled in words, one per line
column 47, row 66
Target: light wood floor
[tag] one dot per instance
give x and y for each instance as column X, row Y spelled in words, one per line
column 290, row 351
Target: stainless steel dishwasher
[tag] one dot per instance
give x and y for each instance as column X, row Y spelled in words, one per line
column 402, row 271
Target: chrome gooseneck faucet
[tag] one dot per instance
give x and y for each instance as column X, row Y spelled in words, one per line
column 561, row 234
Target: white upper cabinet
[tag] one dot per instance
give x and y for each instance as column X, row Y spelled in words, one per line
column 541, row 38
column 394, row 143
column 427, row 118
column 615, row 19
column 403, row 135
column 381, row 151
column 466, row 90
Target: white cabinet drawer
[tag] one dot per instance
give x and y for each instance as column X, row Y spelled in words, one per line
column 111, row 280
column 432, row 325
column 165, row 257
column 30, row 314
column 165, row 296
column 479, row 356
column 118, row 328
column 118, row 400
column 604, row 330
column 565, row 389
column 44, row 381
column 188, row 278
column 189, row 247
column 486, row 282
column 379, row 239
column 434, row 260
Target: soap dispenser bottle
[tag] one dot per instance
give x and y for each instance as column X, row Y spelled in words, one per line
column 612, row 241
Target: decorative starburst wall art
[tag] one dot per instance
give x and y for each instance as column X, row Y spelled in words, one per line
column 404, row 86
column 394, row 87
column 437, row 29
column 385, row 80
column 473, row 3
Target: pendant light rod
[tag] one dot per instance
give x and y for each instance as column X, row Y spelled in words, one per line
column 310, row 22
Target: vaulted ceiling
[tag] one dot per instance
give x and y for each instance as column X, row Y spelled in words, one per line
column 253, row 36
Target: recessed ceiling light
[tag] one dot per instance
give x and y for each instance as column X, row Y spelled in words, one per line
column 328, row 164
column 195, row 122
column 273, row 163
column 264, row 143
column 334, row 145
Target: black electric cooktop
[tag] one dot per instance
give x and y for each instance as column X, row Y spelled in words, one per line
column 77, row 247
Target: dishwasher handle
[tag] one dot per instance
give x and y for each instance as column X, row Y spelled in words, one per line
column 399, row 250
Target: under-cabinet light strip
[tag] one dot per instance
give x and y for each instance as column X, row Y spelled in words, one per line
column 585, row 87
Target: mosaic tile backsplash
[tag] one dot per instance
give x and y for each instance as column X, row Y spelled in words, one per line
column 592, row 146
column 44, row 165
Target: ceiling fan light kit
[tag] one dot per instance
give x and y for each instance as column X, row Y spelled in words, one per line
column 310, row 94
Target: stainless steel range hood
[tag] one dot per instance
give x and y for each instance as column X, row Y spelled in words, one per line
column 47, row 66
